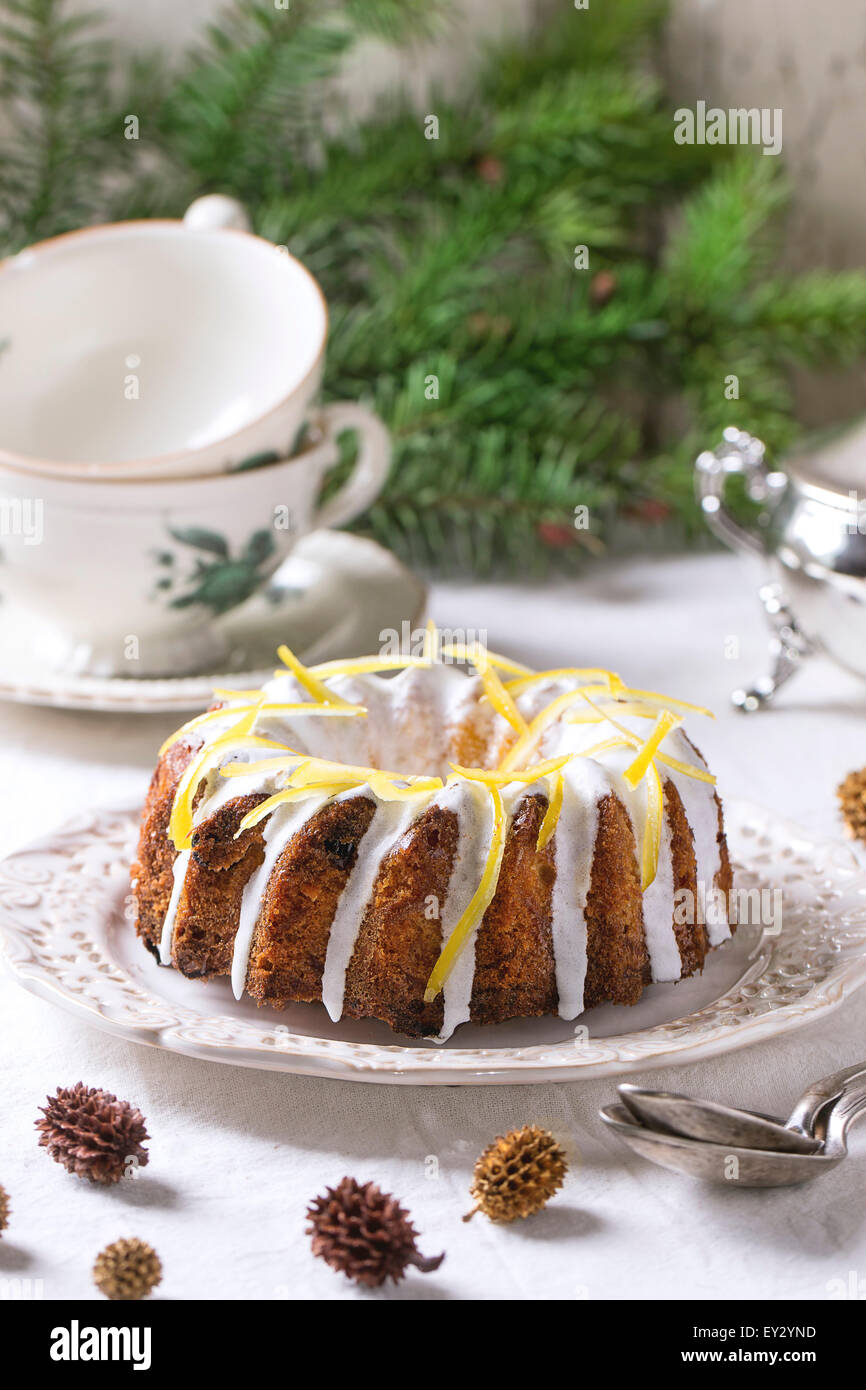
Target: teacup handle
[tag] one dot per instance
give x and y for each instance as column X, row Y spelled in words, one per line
column 371, row 467
column 738, row 452
column 216, row 212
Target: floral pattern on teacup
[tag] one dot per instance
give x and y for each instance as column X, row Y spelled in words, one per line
column 218, row 580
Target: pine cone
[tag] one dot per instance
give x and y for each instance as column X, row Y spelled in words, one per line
column 128, row 1269
column 852, row 797
column 92, row 1133
column 517, row 1174
column 4, row 1209
column 365, row 1234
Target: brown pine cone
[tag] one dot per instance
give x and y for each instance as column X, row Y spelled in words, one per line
column 517, row 1174
column 92, row 1133
column 128, row 1269
column 4, row 1209
column 365, row 1234
column 852, row 800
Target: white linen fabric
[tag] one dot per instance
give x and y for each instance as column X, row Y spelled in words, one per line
column 237, row 1154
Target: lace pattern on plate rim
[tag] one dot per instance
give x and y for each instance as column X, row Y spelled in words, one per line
column 57, row 897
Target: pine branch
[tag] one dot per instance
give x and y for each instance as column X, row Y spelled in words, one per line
column 517, row 385
column 814, row 319
column 242, row 116
column 725, row 238
column 484, row 507
column 54, row 83
column 569, row 40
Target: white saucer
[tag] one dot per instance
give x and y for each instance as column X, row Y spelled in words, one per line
column 333, row 597
column 67, row 937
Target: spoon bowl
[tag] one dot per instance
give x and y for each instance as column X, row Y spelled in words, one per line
column 670, row 1113
column 721, row 1163
column 822, row 1116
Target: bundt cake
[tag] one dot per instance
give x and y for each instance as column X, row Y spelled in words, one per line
column 434, row 839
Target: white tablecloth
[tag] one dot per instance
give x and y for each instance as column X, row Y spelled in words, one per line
column 236, row 1155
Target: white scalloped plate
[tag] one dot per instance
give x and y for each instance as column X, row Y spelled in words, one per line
column 66, row 936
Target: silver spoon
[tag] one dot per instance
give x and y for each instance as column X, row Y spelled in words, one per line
column 824, row 1112
column 669, row 1113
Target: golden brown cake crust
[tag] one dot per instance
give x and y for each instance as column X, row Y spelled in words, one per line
column 291, row 936
column 400, row 937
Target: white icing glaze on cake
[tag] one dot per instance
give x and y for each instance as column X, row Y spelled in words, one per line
column 391, row 820
column 178, row 872
column 473, row 838
column 411, row 727
column 574, row 847
column 284, row 822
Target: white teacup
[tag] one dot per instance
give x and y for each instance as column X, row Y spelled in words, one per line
column 148, row 368
column 148, row 349
column 131, row 578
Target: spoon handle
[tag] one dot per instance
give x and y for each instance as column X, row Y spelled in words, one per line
column 849, row 1084
column 842, row 1113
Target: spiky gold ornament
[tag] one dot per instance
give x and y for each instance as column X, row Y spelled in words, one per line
column 365, row 1234
column 517, row 1174
column 852, row 798
column 4, row 1209
column 128, row 1270
column 92, row 1133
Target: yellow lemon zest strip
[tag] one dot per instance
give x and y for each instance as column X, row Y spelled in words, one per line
column 688, row 769
column 386, row 791
column 264, row 808
column 309, row 707
column 497, row 694
column 319, row 768
column 607, row 745
column 663, row 725
column 605, row 714
column 632, row 708
column 304, row 677
column 551, row 815
column 500, row 778
column 538, row 725
column 361, row 665
column 668, row 700
column 461, row 652
column 383, row 784
column 302, row 709
column 653, row 832
column 699, row 773
column 225, row 693
column 180, row 822
column 586, row 673
column 282, row 764
column 481, row 900
column 224, row 712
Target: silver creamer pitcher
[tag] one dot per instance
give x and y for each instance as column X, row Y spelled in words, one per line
column 812, row 535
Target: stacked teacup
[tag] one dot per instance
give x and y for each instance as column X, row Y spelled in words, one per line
column 161, row 451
